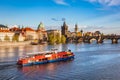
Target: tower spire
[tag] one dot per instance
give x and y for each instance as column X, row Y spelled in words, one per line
column 76, row 28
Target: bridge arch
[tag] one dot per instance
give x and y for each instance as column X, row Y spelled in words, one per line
column 105, row 40
column 112, row 39
column 93, row 40
column 79, row 40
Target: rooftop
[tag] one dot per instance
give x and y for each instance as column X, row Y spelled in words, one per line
column 3, row 26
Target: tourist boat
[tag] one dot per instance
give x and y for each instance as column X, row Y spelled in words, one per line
column 46, row 57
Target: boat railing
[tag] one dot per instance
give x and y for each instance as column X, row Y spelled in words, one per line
column 36, row 53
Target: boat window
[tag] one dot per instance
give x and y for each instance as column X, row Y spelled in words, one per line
column 65, row 55
column 46, row 59
column 39, row 59
column 48, row 53
column 69, row 50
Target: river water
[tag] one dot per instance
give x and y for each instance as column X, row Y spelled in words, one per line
column 92, row 62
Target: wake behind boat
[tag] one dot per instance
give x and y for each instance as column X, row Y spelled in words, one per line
column 46, row 57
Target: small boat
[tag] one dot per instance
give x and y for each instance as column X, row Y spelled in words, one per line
column 34, row 42
column 45, row 57
column 43, row 42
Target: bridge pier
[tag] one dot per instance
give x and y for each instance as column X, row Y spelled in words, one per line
column 86, row 41
column 114, row 41
column 99, row 41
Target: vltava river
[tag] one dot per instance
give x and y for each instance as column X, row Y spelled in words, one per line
column 92, row 62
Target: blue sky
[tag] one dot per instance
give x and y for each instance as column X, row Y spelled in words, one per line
column 90, row 15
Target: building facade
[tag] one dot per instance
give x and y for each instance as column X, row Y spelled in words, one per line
column 5, row 33
column 41, row 32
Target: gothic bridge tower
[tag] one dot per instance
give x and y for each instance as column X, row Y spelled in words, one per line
column 64, row 29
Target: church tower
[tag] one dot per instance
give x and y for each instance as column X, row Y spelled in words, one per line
column 64, row 29
column 76, row 28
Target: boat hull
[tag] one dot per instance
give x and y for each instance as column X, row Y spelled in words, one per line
column 49, row 61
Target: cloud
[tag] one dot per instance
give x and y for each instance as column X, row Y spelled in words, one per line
column 105, row 24
column 93, row 27
column 114, row 3
column 55, row 19
column 106, row 2
column 61, row 2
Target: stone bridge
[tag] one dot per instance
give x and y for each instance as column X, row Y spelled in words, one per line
column 99, row 39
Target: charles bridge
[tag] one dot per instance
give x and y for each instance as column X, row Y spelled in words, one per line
column 99, row 39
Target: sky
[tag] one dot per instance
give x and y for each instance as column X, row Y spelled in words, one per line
column 89, row 15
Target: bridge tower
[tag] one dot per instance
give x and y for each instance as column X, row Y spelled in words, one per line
column 76, row 28
column 64, row 29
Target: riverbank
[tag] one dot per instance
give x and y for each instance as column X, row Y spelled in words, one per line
column 2, row 44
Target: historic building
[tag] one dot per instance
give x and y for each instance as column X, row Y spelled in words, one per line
column 66, row 33
column 5, row 33
column 18, row 33
column 23, row 34
column 41, row 32
column 29, row 33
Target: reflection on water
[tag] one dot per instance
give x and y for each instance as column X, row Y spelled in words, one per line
column 12, row 53
column 92, row 62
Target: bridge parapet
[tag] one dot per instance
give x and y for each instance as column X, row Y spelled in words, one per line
column 99, row 39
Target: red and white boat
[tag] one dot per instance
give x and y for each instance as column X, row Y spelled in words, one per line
column 45, row 57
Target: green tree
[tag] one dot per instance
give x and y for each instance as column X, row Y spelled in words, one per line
column 15, row 37
column 51, row 38
column 58, row 39
column 63, row 39
column 6, row 38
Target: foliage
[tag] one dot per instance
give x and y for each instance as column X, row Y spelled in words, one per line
column 63, row 39
column 56, row 38
column 6, row 38
column 15, row 37
column 51, row 38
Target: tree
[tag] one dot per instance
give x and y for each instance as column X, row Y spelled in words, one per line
column 63, row 39
column 15, row 37
column 6, row 38
column 58, row 39
column 51, row 38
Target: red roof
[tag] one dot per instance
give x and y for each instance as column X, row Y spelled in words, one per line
column 28, row 29
column 15, row 29
column 4, row 31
